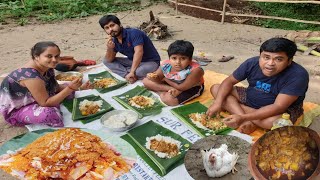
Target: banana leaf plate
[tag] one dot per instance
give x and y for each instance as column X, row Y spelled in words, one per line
column 23, row 140
column 106, row 74
column 137, row 138
column 123, row 99
column 76, row 114
column 183, row 112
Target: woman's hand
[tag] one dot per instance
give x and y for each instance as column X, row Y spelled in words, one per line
column 75, row 84
column 86, row 85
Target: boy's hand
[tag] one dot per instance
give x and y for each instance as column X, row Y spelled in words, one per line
column 152, row 76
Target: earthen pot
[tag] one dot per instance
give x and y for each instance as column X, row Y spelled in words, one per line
column 254, row 170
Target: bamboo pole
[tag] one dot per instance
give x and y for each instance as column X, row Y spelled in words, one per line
column 249, row 15
column 313, row 40
column 284, row 1
column 188, row 5
column 273, row 17
column 223, row 11
column 304, row 48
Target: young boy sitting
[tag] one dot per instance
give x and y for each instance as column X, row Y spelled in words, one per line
column 178, row 79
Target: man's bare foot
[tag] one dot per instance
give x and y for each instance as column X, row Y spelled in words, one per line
column 247, row 127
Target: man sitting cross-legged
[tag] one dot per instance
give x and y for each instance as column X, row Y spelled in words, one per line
column 276, row 85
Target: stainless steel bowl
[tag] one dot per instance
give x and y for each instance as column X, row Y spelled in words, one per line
column 67, row 74
column 119, row 120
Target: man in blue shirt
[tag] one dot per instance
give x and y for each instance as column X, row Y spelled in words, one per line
column 142, row 57
column 276, row 85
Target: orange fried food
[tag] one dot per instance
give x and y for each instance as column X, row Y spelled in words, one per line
column 67, row 154
column 287, row 153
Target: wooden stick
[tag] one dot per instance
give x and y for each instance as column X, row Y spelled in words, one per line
column 284, row 1
column 195, row 6
column 250, row 15
column 223, row 11
column 272, row 17
column 177, row 7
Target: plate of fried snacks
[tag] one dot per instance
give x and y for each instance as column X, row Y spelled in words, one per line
column 105, row 82
column 67, row 153
column 290, row 152
column 140, row 100
column 162, row 149
column 194, row 115
column 89, row 107
column 218, row 157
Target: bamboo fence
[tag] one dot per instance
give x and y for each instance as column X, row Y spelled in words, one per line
column 224, row 13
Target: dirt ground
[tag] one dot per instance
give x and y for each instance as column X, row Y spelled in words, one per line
column 84, row 39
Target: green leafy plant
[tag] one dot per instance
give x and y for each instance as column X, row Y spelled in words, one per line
column 23, row 21
column 309, row 12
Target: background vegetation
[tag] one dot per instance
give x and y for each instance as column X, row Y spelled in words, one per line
column 22, row 11
column 310, row 12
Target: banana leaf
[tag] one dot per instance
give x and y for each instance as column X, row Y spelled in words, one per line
column 183, row 112
column 123, row 99
column 106, row 74
column 23, row 140
column 76, row 114
column 137, row 138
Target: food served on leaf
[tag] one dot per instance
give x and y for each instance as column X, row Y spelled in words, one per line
column 218, row 161
column 141, row 101
column 66, row 154
column 104, row 83
column 201, row 120
column 90, row 107
column 163, row 146
column 287, row 153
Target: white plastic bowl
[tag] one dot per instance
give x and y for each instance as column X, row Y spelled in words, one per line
column 119, row 120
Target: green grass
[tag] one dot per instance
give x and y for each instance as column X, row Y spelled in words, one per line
column 52, row 10
column 309, row 12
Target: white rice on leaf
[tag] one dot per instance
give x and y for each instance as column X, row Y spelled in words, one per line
column 166, row 139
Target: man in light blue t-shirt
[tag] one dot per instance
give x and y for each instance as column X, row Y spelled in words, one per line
column 276, row 85
column 142, row 56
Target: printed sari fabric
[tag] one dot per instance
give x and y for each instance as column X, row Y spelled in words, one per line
column 17, row 105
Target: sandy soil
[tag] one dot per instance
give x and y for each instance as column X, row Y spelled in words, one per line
column 84, row 39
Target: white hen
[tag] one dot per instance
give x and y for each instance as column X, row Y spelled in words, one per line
column 219, row 162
